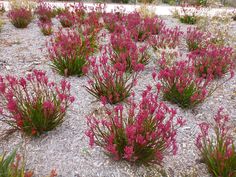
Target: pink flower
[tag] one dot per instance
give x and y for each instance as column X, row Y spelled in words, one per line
column 11, row 105
column 128, row 152
column 48, row 105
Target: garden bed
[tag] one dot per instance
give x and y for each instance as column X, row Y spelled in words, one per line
column 66, row 148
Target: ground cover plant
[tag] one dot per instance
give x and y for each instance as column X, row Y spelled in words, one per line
column 21, row 17
column 33, row 104
column 218, row 153
column 143, row 133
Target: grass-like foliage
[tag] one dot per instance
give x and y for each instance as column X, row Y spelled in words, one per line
column 181, row 86
column 109, row 84
column 21, row 17
column 142, row 133
column 68, row 51
column 32, row 104
column 219, row 153
column 11, row 165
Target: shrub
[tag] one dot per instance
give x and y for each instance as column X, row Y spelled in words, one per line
column 181, row 86
column 143, row 133
column 20, row 18
column 33, row 105
column 218, row 153
column 168, row 38
column 109, row 84
column 213, row 61
column 124, row 51
column 196, row 39
column 46, row 28
column 44, row 12
column 68, row 52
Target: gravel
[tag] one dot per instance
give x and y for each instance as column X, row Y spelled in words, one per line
column 66, row 148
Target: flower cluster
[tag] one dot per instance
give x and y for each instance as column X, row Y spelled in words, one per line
column 213, row 61
column 68, row 51
column 33, row 104
column 218, row 153
column 109, row 84
column 45, row 27
column 196, row 39
column 21, row 17
column 167, row 38
column 180, row 85
column 126, row 54
column 143, row 133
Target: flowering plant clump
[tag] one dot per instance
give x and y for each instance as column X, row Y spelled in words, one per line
column 188, row 15
column 141, row 28
column 213, row 60
column 180, row 84
column 168, row 38
column 112, row 21
column 21, row 17
column 33, row 104
column 196, row 39
column 124, row 51
column 143, row 133
column 219, row 154
column 68, row 51
column 44, row 12
column 46, row 28
column 11, row 165
column 109, row 84
column 66, row 18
